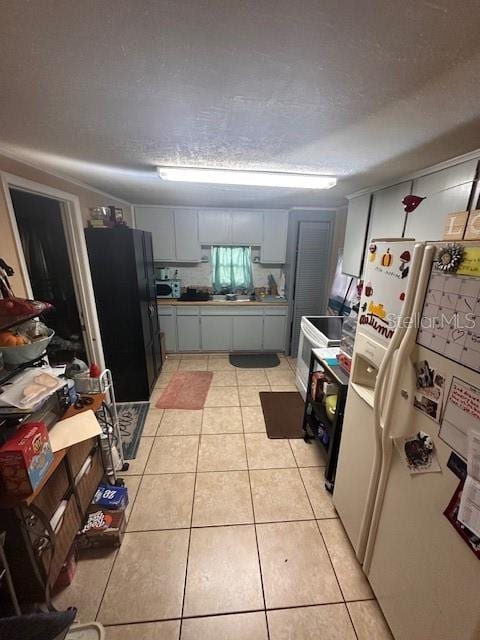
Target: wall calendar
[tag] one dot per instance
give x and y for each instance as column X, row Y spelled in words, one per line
column 450, row 321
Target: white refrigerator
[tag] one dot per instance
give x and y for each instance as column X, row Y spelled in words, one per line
column 390, row 276
column 425, row 575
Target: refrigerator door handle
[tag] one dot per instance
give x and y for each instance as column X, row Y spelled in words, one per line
column 380, row 394
column 407, row 344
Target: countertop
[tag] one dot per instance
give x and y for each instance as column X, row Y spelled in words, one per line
column 269, row 301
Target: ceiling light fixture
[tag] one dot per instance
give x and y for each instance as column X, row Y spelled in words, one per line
column 247, row 178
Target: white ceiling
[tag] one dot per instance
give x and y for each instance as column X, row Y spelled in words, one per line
column 104, row 91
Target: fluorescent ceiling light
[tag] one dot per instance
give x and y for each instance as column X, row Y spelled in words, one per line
column 247, row 178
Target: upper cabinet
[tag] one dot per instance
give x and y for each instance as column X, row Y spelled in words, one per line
column 247, row 228
column 275, row 231
column 187, row 244
column 387, row 216
column 160, row 222
column 179, row 233
column 446, row 191
column 215, row 227
column 174, row 233
column 356, row 235
column 230, row 227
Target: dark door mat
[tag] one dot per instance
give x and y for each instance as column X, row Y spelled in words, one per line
column 254, row 360
column 283, row 412
column 131, row 420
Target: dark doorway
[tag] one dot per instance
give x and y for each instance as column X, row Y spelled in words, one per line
column 39, row 221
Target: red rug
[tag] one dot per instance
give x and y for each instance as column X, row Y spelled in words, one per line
column 186, row 390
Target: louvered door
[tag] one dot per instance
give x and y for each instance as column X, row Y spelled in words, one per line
column 312, row 273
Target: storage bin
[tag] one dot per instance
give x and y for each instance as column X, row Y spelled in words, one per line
column 53, row 559
column 53, row 492
column 77, row 454
column 87, row 484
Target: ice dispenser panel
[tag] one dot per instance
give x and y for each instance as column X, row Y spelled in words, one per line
column 364, row 373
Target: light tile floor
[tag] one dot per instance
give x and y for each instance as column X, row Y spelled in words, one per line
column 231, row 536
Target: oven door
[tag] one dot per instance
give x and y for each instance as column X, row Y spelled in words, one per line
column 163, row 290
column 305, row 346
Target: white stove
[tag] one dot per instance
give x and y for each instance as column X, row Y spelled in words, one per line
column 316, row 332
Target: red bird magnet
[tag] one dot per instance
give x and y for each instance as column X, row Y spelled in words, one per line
column 411, row 202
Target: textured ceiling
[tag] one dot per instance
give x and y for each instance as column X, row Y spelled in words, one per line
column 368, row 91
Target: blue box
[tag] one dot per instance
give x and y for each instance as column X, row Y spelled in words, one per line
column 111, row 497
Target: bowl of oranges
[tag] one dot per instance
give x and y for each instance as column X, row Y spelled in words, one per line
column 19, row 348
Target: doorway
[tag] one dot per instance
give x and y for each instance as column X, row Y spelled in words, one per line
column 44, row 244
column 48, row 217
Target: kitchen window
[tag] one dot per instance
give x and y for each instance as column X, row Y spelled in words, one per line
column 231, row 269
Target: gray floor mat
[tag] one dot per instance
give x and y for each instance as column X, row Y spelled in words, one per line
column 254, row 360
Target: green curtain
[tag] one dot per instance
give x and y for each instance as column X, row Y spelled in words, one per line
column 231, row 268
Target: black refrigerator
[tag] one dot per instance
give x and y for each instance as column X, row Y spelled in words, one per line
column 121, row 264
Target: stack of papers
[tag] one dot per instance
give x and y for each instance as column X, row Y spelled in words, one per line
column 328, row 354
column 73, row 430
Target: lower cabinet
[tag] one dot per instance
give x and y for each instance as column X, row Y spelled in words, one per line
column 247, row 333
column 168, row 325
column 217, row 328
column 216, row 333
column 188, row 331
column 274, row 333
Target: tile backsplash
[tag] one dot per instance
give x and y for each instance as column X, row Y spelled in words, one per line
column 199, row 275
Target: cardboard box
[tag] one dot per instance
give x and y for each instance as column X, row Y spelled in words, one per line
column 103, row 528
column 111, row 497
column 25, row 459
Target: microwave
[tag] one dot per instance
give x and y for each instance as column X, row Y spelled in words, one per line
column 168, row 288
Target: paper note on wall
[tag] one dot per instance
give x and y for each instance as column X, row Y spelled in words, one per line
column 461, row 415
column 470, row 264
column 469, row 510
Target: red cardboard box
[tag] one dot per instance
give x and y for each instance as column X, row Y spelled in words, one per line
column 104, row 528
column 25, row 459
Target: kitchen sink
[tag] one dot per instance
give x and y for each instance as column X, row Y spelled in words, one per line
column 223, row 298
column 243, row 299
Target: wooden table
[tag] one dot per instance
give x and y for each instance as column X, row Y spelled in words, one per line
column 36, row 553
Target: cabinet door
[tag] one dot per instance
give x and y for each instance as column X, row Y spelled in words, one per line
column 274, row 333
column 274, row 244
column 187, row 244
column 446, row 191
column 356, row 235
column 160, row 223
column 247, row 333
column 216, row 333
column 387, row 217
column 188, row 330
column 168, row 327
column 247, row 228
column 215, row 227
